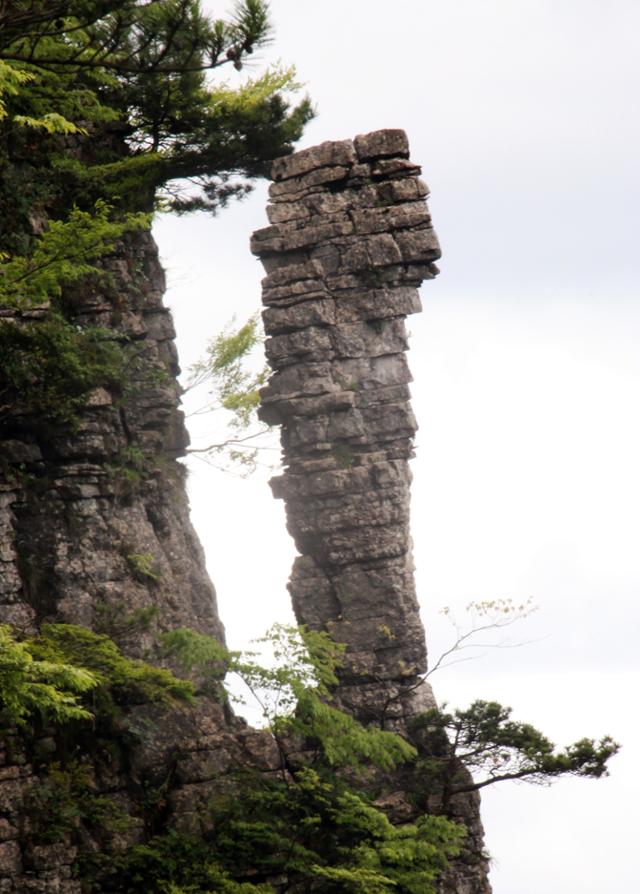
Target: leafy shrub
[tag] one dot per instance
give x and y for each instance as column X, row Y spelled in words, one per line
column 311, row 828
column 32, row 684
column 64, row 254
column 121, row 680
column 143, row 567
column 48, row 675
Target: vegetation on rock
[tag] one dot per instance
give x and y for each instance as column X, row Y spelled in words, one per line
column 233, row 388
column 128, row 81
column 49, row 676
column 316, row 823
column 109, row 110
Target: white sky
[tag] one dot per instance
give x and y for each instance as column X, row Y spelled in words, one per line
column 524, row 115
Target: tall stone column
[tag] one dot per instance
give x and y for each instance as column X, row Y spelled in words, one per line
column 349, row 243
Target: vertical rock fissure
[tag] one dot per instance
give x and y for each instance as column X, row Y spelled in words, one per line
column 349, row 243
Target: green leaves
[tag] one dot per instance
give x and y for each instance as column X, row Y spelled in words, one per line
column 48, row 675
column 196, row 652
column 495, row 748
column 407, row 858
column 234, row 392
column 137, row 70
column 312, row 828
column 292, row 686
column 343, row 741
column 122, row 680
column 30, row 685
column 310, row 822
column 50, row 366
column 12, row 79
column 231, row 386
column 64, row 254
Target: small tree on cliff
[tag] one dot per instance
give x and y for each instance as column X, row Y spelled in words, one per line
column 227, row 384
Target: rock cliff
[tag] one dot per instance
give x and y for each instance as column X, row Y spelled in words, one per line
column 94, row 521
column 95, row 531
column 78, row 507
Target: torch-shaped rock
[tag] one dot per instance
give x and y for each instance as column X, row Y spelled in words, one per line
column 349, row 243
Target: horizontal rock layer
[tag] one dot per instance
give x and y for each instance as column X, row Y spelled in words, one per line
column 78, row 505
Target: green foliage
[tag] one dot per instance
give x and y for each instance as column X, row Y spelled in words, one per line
column 143, row 566
column 12, row 80
column 64, row 254
column 48, row 676
column 120, row 624
column 197, row 651
column 224, row 370
column 178, row 863
column 49, row 367
column 137, row 70
column 66, row 798
column 121, row 680
column 485, row 740
column 343, row 741
column 127, row 470
column 293, row 691
column 235, row 388
column 35, row 685
column 106, row 111
column 309, row 823
column 312, row 828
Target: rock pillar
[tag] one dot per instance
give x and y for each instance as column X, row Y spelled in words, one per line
column 349, row 243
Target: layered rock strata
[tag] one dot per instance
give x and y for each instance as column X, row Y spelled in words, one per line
column 94, row 526
column 95, row 531
column 94, row 519
column 350, row 241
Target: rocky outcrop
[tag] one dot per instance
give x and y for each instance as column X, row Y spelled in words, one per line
column 94, row 520
column 95, row 531
column 351, row 240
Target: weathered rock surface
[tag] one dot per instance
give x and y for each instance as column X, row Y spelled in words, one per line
column 95, row 531
column 351, row 240
column 76, row 509
column 94, row 525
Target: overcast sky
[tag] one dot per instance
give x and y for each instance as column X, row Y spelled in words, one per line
column 524, row 116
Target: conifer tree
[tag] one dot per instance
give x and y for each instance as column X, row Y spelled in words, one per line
column 114, row 100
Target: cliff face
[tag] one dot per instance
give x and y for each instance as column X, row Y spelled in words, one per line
column 95, row 531
column 94, row 522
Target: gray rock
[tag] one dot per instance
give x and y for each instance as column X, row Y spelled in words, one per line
column 382, row 144
column 345, row 253
column 339, row 390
